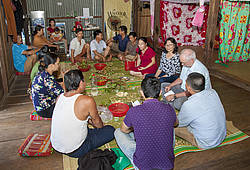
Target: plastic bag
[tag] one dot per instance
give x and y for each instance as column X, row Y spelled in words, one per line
column 105, row 114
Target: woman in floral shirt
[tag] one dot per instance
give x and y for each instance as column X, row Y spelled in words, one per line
column 170, row 66
column 44, row 87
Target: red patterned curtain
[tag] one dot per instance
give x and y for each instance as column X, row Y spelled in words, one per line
column 175, row 21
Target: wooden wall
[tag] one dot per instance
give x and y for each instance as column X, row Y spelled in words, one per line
column 143, row 22
column 7, row 71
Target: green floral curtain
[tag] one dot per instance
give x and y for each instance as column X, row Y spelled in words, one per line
column 234, row 31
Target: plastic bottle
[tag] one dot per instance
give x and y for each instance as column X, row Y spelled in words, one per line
column 94, row 89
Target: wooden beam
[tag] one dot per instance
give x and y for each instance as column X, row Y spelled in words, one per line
column 211, row 31
column 103, row 30
column 3, row 56
column 26, row 22
column 157, row 30
column 135, row 7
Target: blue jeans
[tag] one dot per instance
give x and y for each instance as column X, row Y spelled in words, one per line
column 169, row 79
column 126, row 142
column 95, row 138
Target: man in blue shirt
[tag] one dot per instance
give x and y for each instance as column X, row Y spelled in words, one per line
column 23, row 56
column 190, row 64
column 202, row 119
column 122, row 39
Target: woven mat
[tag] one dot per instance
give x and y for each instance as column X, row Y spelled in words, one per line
column 132, row 88
column 234, row 135
column 104, row 98
column 69, row 163
column 117, row 69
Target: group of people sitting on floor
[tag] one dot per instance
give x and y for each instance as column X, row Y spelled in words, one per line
column 147, row 134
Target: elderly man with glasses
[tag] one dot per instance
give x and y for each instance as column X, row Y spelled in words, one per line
column 175, row 93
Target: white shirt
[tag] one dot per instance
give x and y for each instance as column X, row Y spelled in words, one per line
column 99, row 47
column 67, row 131
column 196, row 67
column 75, row 45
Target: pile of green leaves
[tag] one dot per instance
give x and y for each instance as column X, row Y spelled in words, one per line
column 84, row 64
column 114, row 85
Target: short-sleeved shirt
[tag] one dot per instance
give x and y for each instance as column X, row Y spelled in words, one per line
column 146, row 59
column 204, row 116
column 99, row 47
column 170, row 66
column 44, row 91
column 122, row 42
column 18, row 58
column 196, row 67
column 75, row 45
column 153, row 124
column 131, row 48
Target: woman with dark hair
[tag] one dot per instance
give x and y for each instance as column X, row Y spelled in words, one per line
column 170, row 66
column 39, row 39
column 146, row 63
column 40, row 55
column 52, row 26
column 44, row 88
column 55, row 35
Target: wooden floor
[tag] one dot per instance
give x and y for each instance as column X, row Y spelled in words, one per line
column 15, row 126
column 240, row 70
column 236, row 73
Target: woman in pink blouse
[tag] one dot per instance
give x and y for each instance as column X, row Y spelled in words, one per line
column 146, row 62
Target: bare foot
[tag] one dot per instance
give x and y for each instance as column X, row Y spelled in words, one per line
column 110, row 58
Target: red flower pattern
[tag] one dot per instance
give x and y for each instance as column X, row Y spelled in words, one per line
column 191, row 7
column 189, row 22
column 175, row 21
column 175, row 29
column 177, row 12
column 187, row 38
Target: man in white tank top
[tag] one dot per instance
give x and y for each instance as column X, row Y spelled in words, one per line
column 70, row 134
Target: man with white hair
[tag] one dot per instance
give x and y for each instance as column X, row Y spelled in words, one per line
column 190, row 64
